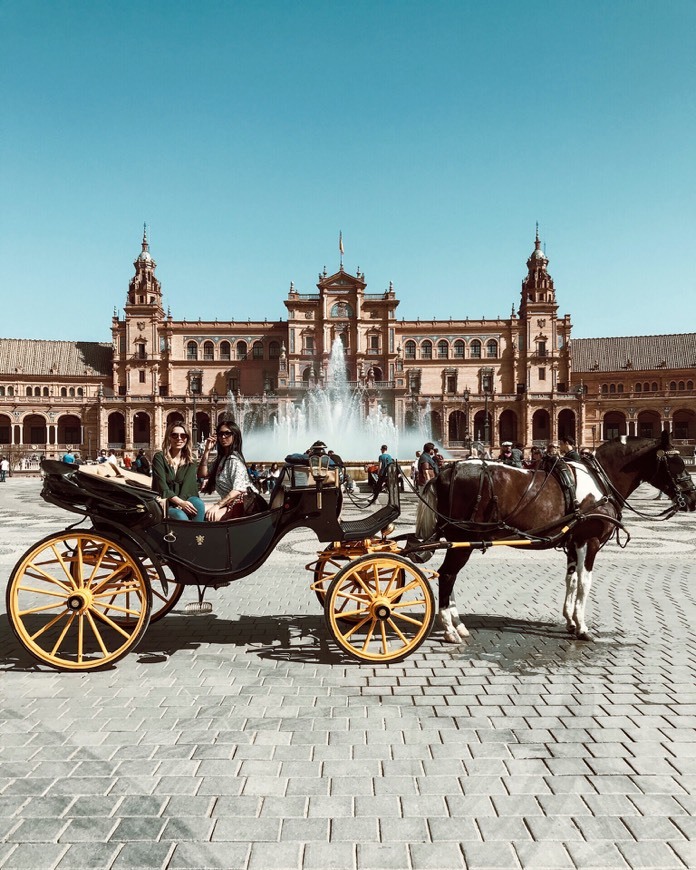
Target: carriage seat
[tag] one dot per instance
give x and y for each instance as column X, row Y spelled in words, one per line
column 108, row 471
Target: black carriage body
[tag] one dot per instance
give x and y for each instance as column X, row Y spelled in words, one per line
column 208, row 553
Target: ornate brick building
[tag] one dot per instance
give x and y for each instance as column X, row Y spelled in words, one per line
column 520, row 378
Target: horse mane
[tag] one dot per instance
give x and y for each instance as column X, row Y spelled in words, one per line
column 630, row 447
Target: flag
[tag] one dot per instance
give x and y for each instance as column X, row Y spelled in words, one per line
column 340, row 243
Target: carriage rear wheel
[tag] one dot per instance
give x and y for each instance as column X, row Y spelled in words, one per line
column 78, row 601
column 380, row 608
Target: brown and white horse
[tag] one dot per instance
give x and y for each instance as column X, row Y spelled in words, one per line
column 475, row 500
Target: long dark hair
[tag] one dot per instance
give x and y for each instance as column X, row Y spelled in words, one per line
column 224, row 451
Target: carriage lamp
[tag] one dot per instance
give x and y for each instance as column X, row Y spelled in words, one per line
column 319, row 465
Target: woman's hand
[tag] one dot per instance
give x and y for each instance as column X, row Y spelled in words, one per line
column 210, row 442
column 188, row 508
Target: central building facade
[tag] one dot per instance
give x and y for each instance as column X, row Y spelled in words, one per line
column 467, row 381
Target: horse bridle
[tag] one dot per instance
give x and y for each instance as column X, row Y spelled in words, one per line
column 681, row 483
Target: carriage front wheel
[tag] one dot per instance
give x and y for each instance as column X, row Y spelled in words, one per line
column 379, row 608
column 78, row 601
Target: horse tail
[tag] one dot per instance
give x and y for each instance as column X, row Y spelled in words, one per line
column 426, row 518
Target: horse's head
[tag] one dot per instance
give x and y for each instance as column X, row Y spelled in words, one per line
column 671, row 476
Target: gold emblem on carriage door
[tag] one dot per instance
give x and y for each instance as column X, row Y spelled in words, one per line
column 200, row 540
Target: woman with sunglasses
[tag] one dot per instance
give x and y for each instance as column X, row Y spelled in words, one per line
column 228, row 475
column 174, row 475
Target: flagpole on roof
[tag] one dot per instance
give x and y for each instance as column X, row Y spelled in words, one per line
column 340, row 246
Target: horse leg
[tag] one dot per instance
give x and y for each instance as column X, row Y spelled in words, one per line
column 571, row 586
column 448, row 616
column 585, row 565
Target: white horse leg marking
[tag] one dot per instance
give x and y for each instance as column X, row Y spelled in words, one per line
column 459, row 626
column 571, row 593
column 584, row 586
column 450, row 622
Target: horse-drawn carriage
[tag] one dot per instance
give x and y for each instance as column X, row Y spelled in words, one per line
column 82, row 598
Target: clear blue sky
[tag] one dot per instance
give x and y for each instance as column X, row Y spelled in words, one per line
column 433, row 134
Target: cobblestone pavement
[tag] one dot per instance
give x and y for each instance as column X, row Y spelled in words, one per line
column 245, row 739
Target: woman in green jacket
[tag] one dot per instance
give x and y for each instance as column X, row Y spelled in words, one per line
column 174, row 475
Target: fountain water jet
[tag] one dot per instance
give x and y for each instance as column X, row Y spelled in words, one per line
column 335, row 412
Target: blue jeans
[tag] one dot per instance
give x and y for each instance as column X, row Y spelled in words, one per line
column 175, row 513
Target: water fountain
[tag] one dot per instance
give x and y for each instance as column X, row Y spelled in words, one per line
column 335, row 412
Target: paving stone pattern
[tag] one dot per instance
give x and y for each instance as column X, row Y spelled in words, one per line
column 245, row 739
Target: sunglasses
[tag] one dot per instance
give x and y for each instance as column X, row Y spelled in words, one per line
column 224, row 433
column 178, row 435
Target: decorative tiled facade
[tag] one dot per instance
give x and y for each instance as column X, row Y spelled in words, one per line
column 521, row 378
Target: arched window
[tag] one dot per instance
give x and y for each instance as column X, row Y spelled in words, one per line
column 475, row 348
column 681, row 385
column 410, row 349
column 689, row 385
column 241, row 350
column 646, row 387
column 619, row 389
column 80, row 392
column 605, row 388
column 274, row 350
column 225, row 352
column 653, row 386
column 37, row 391
column 63, row 392
column 191, row 350
column 46, row 392
column 673, row 385
column 208, row 350
column 639, row 388
column 612, row 388
column 492, row 349
column 2, row 391
column 28, row 391
column 427, row 349
column 71, row 392
column 459, row 349
column 257, row 350
column 442, row 349
column 10, row 391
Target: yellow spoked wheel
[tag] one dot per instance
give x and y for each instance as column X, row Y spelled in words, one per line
column 78, row 601
column 164, row 597
column 330, row 562
column 379, row 608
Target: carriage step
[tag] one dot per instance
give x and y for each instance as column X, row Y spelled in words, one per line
column 198, row 608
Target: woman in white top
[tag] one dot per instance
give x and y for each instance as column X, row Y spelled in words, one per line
column 228, row 474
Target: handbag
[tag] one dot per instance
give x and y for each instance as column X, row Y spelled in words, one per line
column 253, row 503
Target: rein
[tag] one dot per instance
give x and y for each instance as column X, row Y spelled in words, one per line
column 623, row 502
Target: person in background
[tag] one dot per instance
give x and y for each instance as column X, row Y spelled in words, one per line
column 142, row 463
column 568, row 449
column 506, row 453
column 4, row 468
column 273, row 475
column 585, row 454
column 427, row 465
column 102, row 456
column 439, row 458
column 414, row 470
column 228, row 475
column 127, row 461
column 517, row 455
column 383, row 463
column 535, row 458
column 68, row 456
column 174, row 475
column 111, row 457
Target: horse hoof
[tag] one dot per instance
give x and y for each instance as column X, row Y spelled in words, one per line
column 462, row 631
column 451, row 637
column 584, row 635
column 570, row 628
